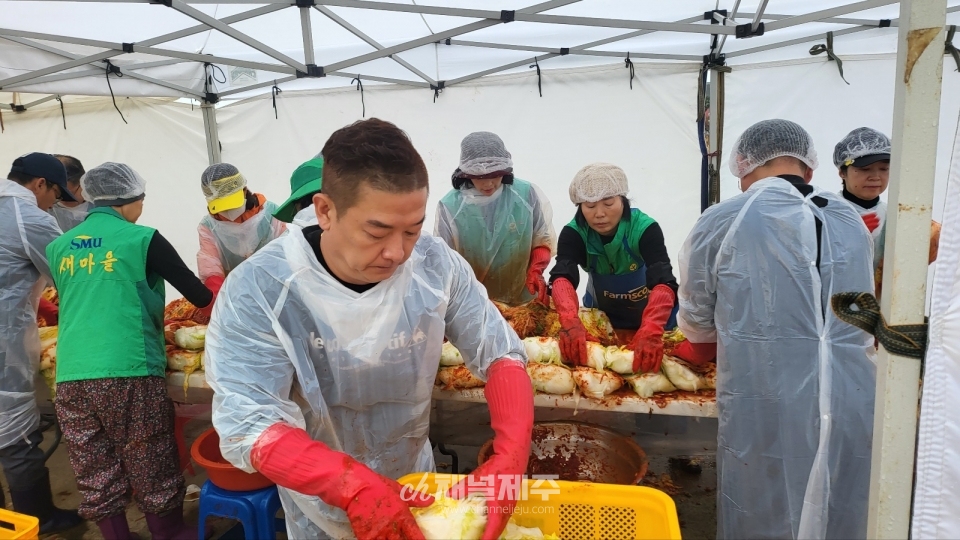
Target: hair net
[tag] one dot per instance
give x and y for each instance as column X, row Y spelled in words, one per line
column 859, row 143
column 112, row 182
column 221, row 179
column 484, row 153
column 768, row 140
column 598, row 181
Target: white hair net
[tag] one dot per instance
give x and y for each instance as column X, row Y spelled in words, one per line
column 598, row 181
column 483, row 153
column 221, row 179
column 768, row 140
column 859, row 143
column 112, row 182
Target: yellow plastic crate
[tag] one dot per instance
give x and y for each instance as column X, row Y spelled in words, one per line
column 14, row 526
column 581, row 510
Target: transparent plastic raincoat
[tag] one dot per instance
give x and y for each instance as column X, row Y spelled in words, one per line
column 226, row 244
column 795, row 386
column 69, row 217
column 25, row 231
column 496, row 234
column 289, row 343
column 306, row 217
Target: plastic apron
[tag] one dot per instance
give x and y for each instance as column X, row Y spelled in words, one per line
column 306, row 217
column 289, row 343
column 236, row 242
column 795, row 386
column 25, row 231
column 623, row 297
column 495, row 235
column 879, row 233
column 68, row 217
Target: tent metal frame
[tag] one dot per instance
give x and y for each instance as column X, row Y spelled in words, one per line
column 914, row 140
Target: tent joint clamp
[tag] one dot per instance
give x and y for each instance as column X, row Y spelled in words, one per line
column 168, row 3
column 746, row 30
column 18, row 108
column 884, row 23
column 507, row 16
column 712, row 15
column 313, row 71
column 211, row 98
column 305, row 3
column 127, row 47
column 564, row 51
column 714, row 60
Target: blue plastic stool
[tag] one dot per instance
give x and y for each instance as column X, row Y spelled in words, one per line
column 255, row 510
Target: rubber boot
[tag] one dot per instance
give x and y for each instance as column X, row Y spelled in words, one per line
column 170, row 526
column 37, row 501
column 115, row 527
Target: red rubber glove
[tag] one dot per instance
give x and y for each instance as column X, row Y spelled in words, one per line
column 289, row 457
column 214, row 283
column 536, row 285
column 509, row 395
column 872, row 221
column 49, row 312
column 647, row 344
column 696, row 354
column 573, row 336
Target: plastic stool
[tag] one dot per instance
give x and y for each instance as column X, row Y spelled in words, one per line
column 255, row 510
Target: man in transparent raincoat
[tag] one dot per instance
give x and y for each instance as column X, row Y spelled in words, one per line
column 323, row 350
column 795, row 385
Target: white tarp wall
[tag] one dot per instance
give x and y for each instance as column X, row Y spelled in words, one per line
column 585, row 115
column 936, row 510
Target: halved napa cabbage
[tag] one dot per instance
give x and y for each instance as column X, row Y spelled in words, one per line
column 685, row 378
column 543, row 350
column 596, row 356
column 647, row 384
column 458, row 377
column 450, row 356
column 597, row 384
column 619, row 359
column 551, row 378
column 191, row 338
column 452, row 519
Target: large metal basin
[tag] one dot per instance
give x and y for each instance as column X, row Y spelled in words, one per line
column 577, row 451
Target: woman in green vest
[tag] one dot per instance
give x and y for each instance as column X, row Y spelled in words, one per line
column 630, row 276
column 112, row 403
column 500, row 224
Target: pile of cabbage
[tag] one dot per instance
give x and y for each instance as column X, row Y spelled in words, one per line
column 609, row 369
column 184, row 346
column 453, row 519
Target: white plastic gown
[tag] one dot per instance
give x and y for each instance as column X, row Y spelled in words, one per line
column 878, row 234
column 306, row 217
column 289, row 343
column 69, row 217
column 25, row 231
column 226, row 244
column 795, row 385
column 496, row 234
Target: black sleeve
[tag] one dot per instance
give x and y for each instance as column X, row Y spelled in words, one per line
column 653, row 250
column 571, row 254
column 165, row 261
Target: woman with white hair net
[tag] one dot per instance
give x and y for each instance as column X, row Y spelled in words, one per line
column 795, row 385
column 862, row 159
column 238, row 223
column 623, row 251
column 112, row 402
column 500, row 224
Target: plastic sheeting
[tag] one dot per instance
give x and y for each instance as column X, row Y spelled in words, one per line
column 936, row 509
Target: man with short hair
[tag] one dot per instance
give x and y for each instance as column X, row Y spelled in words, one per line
column 795, row 385
column 70, row 214
column 35, row 182
column 324, row 347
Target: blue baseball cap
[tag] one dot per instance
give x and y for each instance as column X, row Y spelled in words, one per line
column 40, row 165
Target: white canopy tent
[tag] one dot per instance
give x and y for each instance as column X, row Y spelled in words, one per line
column 564, row 82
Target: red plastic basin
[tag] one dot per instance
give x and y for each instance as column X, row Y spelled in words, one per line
column 206, row 452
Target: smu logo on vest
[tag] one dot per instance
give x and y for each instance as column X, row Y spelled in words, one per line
column 636, row 295
column 399, row 340
column 85, row 242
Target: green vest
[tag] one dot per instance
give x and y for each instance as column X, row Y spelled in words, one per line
column 612, row 258
column 111, row 309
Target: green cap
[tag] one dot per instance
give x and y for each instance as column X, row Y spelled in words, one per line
column 306, row 180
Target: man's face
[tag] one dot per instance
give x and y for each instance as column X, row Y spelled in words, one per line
column 47, row 194
column 370, row 240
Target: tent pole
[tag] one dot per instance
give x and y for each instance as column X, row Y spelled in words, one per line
column 210, row 131
column 912, row 166
column 713, row 148
column 308, row 54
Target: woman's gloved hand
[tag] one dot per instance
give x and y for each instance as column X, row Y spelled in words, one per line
column 49, row 312
column 647, row 343
column 509, row 395
column 289, row 457
column 573, row 336
column 696, row 354
column 536, row 285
